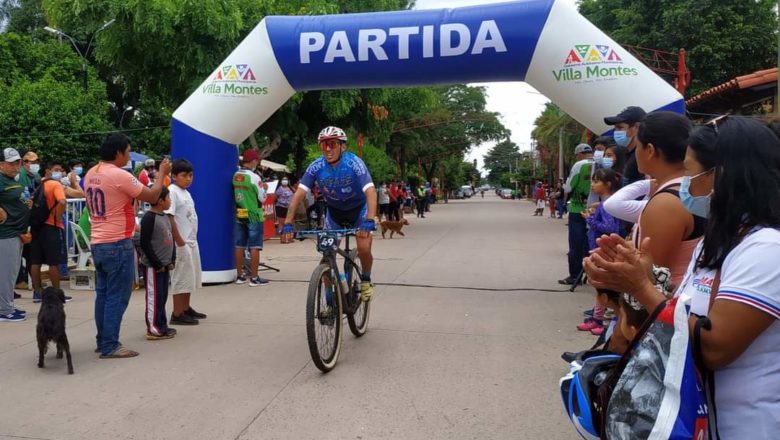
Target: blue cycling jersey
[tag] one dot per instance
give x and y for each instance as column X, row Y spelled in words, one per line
column 342, row 185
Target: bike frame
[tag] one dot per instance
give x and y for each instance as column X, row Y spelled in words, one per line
column 329, row 255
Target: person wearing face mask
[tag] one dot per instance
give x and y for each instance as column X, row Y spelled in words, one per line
column 14, row 218
column 626, row 125
column 284, row 194
column 48, row 240
column 732, row 169
column 30, row 178
column 76, row 171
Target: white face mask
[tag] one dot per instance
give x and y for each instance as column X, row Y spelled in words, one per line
column 35, row 168
column 285, row 182
column 598, row 156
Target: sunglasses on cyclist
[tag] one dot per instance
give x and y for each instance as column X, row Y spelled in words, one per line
column 330, row 144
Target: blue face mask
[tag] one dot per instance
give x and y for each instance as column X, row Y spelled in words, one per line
column 56, row 175
column 696, row 205
column 621, row 138
column 607, row 163
column 78, row 170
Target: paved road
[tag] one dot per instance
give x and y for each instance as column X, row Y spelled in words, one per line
column 437, row 363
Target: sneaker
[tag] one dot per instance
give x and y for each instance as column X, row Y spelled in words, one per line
column 588, row 313
column 21, row 312
column 609, row 314
column 68, row 298
column 22, row 286
column 588, row 325
column 13, row 317
column 16, row 295
column 597, row 331
column 257, row 281
column 326, row 316
column 568, row 281
column 37, row 297
column 194, row 314
column 366, row 290
column 184, row 319
column 153, row 337
column 241, row 280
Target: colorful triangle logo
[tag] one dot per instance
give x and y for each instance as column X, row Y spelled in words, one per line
column 582, row 49
column 593, row 55
column 613, row 56
column 249, row 75
column 572, row 58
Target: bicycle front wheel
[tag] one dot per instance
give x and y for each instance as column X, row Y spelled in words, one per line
column 323, row 319
column 359, row 309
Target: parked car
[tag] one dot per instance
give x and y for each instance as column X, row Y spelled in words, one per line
column 505, row 193
column 467, row 191
column 458, row 194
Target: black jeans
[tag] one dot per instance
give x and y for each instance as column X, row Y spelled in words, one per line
column 578, row 243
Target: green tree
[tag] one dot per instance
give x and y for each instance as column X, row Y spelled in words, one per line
column 723, row 38
column 500, row 159
column 44, row 106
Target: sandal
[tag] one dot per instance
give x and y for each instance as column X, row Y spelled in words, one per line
column 120, row 353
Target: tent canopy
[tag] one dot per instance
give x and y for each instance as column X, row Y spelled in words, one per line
column 279, row 168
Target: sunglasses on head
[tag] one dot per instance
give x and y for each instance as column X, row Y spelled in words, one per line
column 717, row 122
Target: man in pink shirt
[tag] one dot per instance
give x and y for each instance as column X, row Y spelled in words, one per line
column 110, row 191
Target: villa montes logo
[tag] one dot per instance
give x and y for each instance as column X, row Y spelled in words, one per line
column 234, row 81
column 592, row 62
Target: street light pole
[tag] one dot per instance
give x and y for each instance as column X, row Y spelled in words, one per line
column 83, row 55
column 122, row 118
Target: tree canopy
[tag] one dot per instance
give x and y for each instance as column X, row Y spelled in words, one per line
column 723, row 38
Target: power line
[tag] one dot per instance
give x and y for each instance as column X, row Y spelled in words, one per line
column 43, row 136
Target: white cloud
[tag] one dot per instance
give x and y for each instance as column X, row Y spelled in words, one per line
column 518, row 103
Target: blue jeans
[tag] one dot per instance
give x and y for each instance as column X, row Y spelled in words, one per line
column 248, row 235
column 578, row 243
column 113, row 285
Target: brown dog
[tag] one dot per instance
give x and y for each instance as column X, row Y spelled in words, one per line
column 394, row 227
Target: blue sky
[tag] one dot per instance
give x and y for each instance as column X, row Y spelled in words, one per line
column 517, row 102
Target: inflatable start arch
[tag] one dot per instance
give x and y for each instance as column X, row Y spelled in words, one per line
column 543, row 42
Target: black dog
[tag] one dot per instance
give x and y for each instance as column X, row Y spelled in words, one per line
column 51, row 326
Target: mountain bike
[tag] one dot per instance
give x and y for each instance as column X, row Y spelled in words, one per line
column 324, row 312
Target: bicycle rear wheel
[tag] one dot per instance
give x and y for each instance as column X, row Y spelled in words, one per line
column 359, row 310
column 323, row 320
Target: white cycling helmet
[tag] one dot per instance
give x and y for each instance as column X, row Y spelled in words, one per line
column 331, row 132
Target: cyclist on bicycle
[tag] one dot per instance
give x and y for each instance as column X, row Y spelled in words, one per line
column 349, row 194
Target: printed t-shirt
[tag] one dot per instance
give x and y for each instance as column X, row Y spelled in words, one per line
column 18, row 214
column 183, row 211
column 249, row 196
column 747, row 392
column 110, row 192
column 343, row 185
column 53, row 191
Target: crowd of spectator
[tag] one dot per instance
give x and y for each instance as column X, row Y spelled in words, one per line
column 697, row 204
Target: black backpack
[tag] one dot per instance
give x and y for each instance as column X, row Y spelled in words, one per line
column 40, row 210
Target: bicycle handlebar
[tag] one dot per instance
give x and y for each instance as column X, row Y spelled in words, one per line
column 352, row 231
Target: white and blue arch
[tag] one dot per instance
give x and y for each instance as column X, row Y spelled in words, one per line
column 545, row 43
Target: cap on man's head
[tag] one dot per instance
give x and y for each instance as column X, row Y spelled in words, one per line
column 30, row 156
column 10, row 155
column 629, row 115
column 583, row 149
column 251, row 155
column 149, row 163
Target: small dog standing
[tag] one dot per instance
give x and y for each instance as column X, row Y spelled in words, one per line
column 393, row 226
column 51, row 326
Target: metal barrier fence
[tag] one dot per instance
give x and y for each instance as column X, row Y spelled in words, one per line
column 72, row 214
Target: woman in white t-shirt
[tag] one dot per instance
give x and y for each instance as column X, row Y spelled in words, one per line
column 733, row 166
